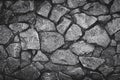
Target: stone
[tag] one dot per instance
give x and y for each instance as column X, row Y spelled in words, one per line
column 75, row 3
column 30, row 39
column 117, row 60
column 5, row 34
column 40, row 57
column 63, row 25
column 16, row 39
column 50, row 41
column 65, row 57
column 27, row 73
column 84, row 20
column 44, row 9
column 2, row 65
column 104, row 18
column 25, row 58
column 113, row 42
column 117, row 36
column 95, row 9
column 18, row 27
column 97, row 35
column 14, row 49
column 58, row 1
column 81, row 48
column 106, row 1
column 57, row 12
column 38, row 65
column 118, row 48
column 12, row 65
column 75, row 11
column 97, row 52
column 49, row 76
column 113, row 26
column 113, row 77
column 105, row 70
column 21, row 6
column 63, row 76
column 43, row 24
column 91, row 62
column 73, row 33
column 3, row 53
column 115, row 6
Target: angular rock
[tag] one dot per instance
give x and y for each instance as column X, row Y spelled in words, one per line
column 5, row 34
column 91, row 62
column 21, row 6
column 40, row 57
column 57, row 12
column 117, row 36
column 104, row 18
column 38, row 65
column 18, row 27
column 16, row 39
column 115, row 6
column 30, row 39
column 44, row 9
column 65, row 57
column 44, row 24
column 113, row 43
column 3, row 53
column 50, row 41
column 84, row 20
column 113, row 26
column 117, row 60
column 95, row 9
column 64, row 24
column 49, row 76
column 27, row 73
column 97, row 35
column 73, row 33
column 81, row 48
column 75, row 3
column 14, row 49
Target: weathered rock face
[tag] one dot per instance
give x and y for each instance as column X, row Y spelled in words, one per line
column 97, row 35
column 65, row 57
column 30, row 39
column 50, row 41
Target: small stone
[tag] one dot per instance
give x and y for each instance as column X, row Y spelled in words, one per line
column 115, row 6
column 97, row 52
column 25, row 58
column 65, row 57
column 38, row 65
column 57, row 12
column 95, row 9
column 64, row 24
column 5, row 34
column 117, row 60
column 44, row 9
column 104, row 18
column 50, row 41
column 49, row 76
column 30, row 39
column 105, row 70
column 97, row 35
column 91, row 62
column 21, row 6
column 113, row 42
column 113, row 26
column 16, row 39
column 117, row 36
column 58, row 1
column 12, row 65
column 18, row 27
column 84, row 20
column 73, row 33
column 63, row 76
column 81, row 48
column 118, row 48
column 40, row 57
column 75, row 11
column 27, row 73
column 3, row 53
column 14, row 49
column 75, row 3
column 44, row 24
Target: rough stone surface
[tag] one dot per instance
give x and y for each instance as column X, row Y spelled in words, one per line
column 115, row 6
column 117, row 36
column 50, row 41
column 84, row 20
column 44, row 24
column 97, row 35
column 38, row 65
column 58, row 1
column 5, row 34
column 63, row 76
column 30, row 39
column 118, row 48
column 65, row 57
column 81, row 48
column 117, row 59
column 113, row 26
column 57, row 12
column 3, row 53
column 63, row 25
column 73, row 33
column 91, row 62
